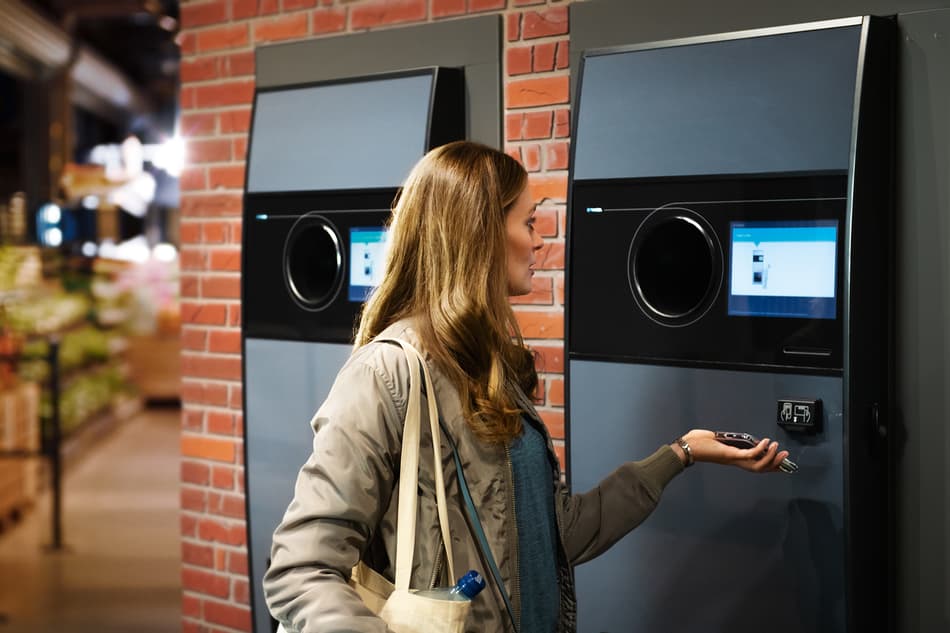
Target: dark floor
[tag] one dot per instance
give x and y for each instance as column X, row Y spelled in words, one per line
column 121, row 570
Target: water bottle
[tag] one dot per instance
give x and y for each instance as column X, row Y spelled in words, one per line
column 466, row 588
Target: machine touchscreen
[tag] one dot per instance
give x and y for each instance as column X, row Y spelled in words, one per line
column 783, row 269
column 367, row 260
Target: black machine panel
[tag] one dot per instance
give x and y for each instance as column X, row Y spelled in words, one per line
column 752, row 265
column 325, row 162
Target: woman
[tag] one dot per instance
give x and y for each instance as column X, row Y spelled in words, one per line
column 462, row 240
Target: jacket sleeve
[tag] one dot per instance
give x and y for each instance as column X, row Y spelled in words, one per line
column 340, row 495
column 591, row 522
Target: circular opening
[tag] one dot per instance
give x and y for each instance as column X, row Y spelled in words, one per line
column 313, row 263
column 675, row 268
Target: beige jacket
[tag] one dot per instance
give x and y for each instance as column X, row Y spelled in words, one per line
column 345, row 505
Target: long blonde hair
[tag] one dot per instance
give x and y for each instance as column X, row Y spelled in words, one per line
column 447, row 268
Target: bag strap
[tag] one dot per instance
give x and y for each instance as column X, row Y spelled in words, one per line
column 409, row 471
column 477, row 526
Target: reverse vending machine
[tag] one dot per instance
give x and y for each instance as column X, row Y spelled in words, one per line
column 324, row 162
column 729, row 268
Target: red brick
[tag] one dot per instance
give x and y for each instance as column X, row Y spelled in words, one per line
column 198, row 69
column 222, row 478
column 562, row 123
column 193, row 178
column 189, row 232
column 234, row 316
column 531, row 157
column 543, row 57
column 551, row 256
column 191, row 259
column 198, row 555
column 235, row 120
column 189, row 525
column 225, row 260
column 474, row 6
column 192, row 499
column 214, row 367
column 240, row 147
column 194, row 339
column 208, row 151
column 446, row 8
column 220, row 559
column 218, row 450
column 285, row 27
column 550, row 358
column 368, row 15
column 205, row 582
column 542, row 293
column 292, row 5
column 539, row 91
column 545, row 221
column 556, row 155
column 217, row 532
column 223, row 37
column 556, row 392
column 563, row 58
column 221, row 288
column 329, row 20
column 215, row 232
column 211, row 205
column 226, row 177
column 236, row 398
column 186, row 98
column 203, row 13
column 514, row 152
column 221, row 422
column 211, row 394
column 195, row 473
column 228, row 615
column 513, row 26
column 524, row 3
column 245, row 8
column 237, row 64
column 537, row 324
column 190, row 606
column 518, row 60
column 193, row 421
column 188, row 284
column 554, row 420
column 239, row 92
column 240, row 480
column 231, row 506
column 225, row 341
column 203, row 314
column 537, row 124
column 237, row 563
column 548, row 187
column 239, row 591
column 553, row 21
column 514, row 126
column 187, row 43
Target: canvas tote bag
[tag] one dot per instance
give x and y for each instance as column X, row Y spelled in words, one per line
column 402, row 610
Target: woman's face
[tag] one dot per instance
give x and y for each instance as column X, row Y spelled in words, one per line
column 523, row 244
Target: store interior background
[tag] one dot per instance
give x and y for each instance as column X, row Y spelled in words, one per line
column 123, row 127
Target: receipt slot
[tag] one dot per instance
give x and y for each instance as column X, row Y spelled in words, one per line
column 727, row 242
column 324, row 163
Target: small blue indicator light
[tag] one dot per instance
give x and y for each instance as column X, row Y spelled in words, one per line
column 595, row 209
column 261, row 216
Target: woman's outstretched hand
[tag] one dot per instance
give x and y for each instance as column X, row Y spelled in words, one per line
column 704, row 447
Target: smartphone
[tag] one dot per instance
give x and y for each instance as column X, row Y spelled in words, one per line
column 745, row 440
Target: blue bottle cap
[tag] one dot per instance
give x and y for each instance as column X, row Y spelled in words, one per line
column 470, row 584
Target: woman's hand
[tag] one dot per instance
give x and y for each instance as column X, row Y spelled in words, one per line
column 704, row 447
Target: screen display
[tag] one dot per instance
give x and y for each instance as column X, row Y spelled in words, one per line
column 783, row 269
column 367, row 260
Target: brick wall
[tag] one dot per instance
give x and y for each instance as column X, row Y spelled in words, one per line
column 217, row 74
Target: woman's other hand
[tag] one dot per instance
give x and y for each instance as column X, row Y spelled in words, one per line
column 704, row 447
